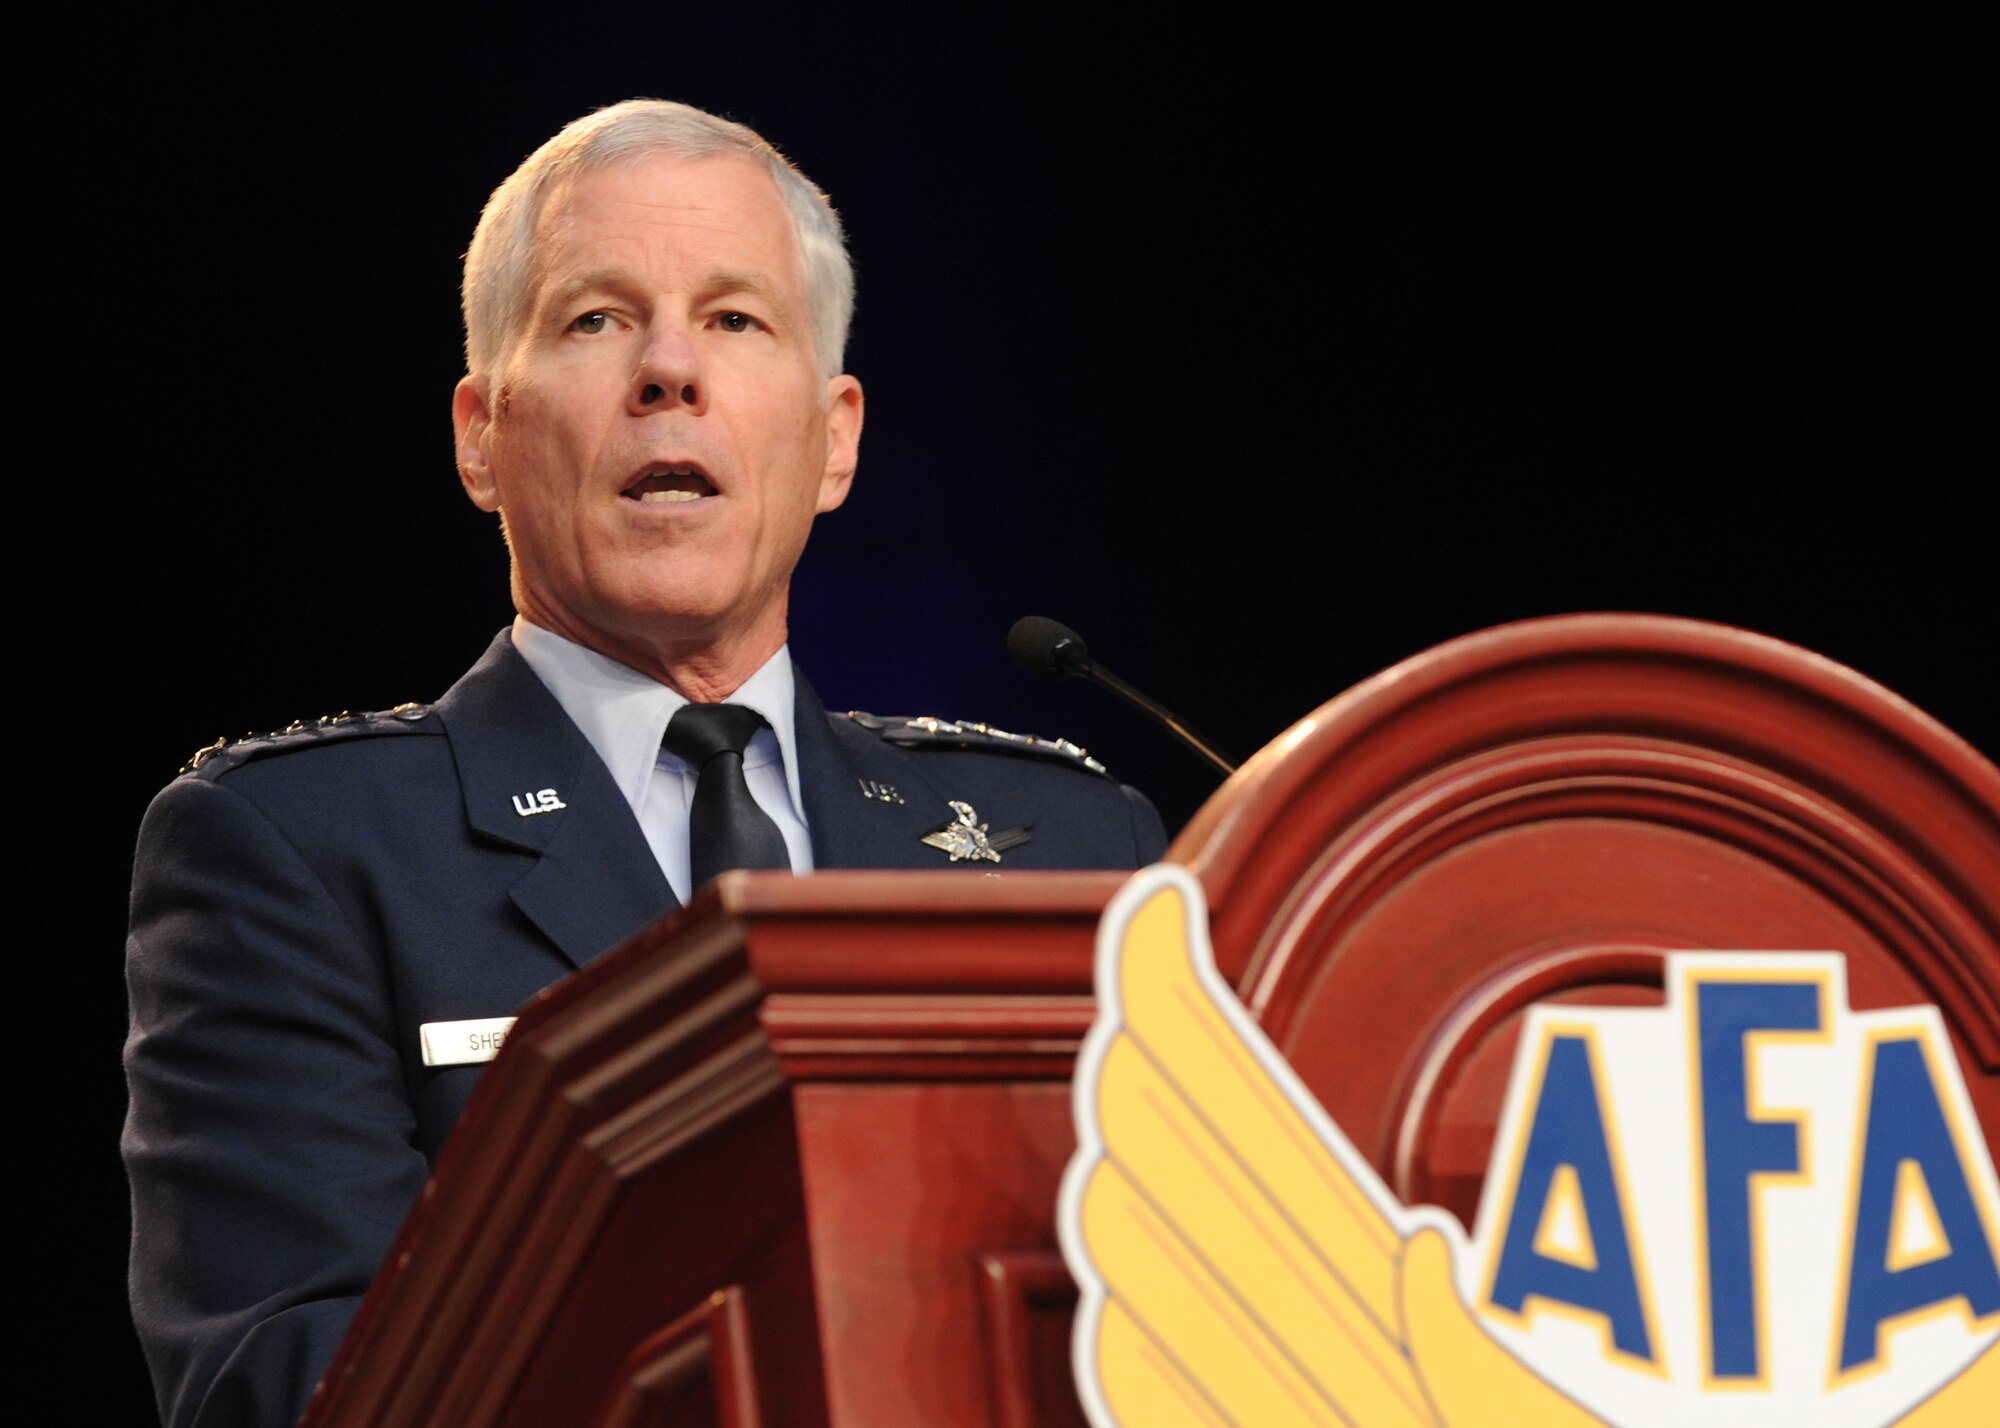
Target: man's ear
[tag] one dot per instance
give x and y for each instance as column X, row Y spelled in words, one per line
column 843, row 440
column 471, row 420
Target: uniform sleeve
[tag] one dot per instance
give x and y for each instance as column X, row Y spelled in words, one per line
column 1149, row 834
column 269, row 1136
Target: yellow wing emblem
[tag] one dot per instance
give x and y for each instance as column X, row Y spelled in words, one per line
column 1238, row 1259
column 1241, row 1264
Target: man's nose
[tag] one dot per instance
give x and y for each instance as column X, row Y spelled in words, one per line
column 669, row 375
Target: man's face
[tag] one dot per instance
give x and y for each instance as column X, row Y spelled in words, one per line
column 658, row 437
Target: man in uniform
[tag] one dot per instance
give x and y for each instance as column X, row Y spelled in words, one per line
column 656, row 306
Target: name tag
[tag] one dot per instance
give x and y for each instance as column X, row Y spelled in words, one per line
column 459, row 1043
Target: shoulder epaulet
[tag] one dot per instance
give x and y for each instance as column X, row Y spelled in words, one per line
column 959, row 734
column 224, row 754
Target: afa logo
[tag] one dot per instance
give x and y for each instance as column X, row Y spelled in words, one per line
column 1750, row 1206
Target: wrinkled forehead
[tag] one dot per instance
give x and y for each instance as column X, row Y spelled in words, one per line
column 730, row 196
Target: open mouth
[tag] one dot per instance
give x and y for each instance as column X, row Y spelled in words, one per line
column 660, row 484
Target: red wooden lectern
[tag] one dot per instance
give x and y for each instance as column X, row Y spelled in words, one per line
column 791, row 1156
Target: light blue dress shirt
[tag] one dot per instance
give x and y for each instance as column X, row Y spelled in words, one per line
column 624, row 715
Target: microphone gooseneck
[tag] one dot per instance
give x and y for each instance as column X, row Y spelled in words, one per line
column 1055, row 651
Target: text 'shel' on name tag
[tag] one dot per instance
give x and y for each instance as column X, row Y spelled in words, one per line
column 459, row 1043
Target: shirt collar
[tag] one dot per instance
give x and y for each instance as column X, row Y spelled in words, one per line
column 623, row 713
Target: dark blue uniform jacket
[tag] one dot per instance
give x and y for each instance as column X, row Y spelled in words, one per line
column 302, row 904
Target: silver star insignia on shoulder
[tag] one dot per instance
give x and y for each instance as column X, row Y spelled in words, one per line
column 967, row 838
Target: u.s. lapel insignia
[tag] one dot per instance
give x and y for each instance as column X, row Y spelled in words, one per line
column 967, row 838
column 879, row 792
column 545, row 801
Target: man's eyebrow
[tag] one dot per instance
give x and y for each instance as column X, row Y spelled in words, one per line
column 596, row 280
column 727, row 282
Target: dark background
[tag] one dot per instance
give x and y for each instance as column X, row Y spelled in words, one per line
column 1264, row 355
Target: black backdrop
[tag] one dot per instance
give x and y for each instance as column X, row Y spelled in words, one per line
column 1265, row 356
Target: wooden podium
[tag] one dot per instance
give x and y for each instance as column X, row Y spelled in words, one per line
column 790, row 1157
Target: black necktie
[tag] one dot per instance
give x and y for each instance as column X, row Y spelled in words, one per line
column 726, row 828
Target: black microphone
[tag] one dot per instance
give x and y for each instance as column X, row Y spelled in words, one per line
column 1055, row 651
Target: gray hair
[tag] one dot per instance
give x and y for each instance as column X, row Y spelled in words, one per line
column 502, row 264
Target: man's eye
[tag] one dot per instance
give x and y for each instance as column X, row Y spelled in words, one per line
column 591, row 323
column 735, row 322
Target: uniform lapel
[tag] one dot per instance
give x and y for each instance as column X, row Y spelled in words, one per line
column 840, row 763
column 593, row 880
